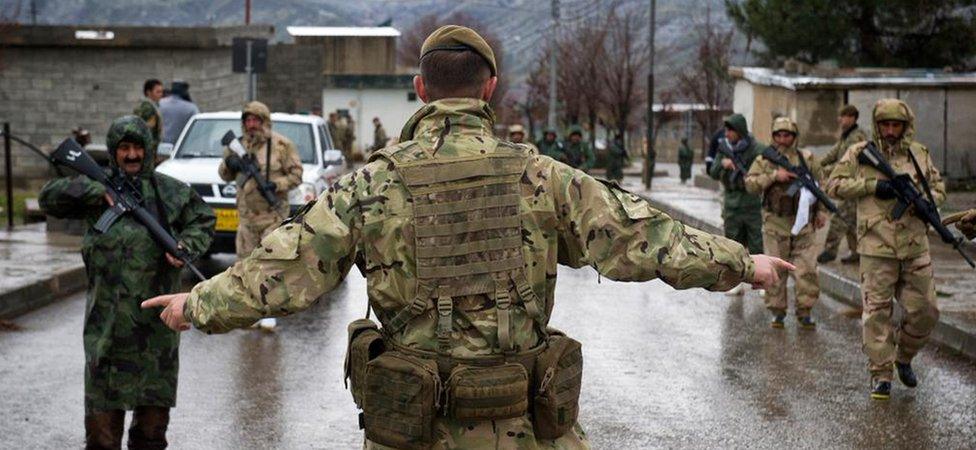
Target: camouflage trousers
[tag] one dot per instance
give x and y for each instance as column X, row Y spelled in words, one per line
column 839, row 228
column 252, row 229
column 515, row 434
column 801, row 250
column 910, row 282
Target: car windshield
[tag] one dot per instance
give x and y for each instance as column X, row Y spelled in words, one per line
column 203, row 138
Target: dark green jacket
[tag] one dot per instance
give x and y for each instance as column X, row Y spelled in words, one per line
column 131, row 357
column 736, row 197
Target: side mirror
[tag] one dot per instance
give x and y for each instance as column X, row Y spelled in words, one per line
column 332, row 157
column 165, row 148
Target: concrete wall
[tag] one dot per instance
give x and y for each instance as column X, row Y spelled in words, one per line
column 50, row 82
column 294, row 80
column 392, row 106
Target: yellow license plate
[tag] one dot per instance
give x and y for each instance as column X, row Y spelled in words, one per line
column 226, row 219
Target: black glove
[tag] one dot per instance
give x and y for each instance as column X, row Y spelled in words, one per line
column 234, row 162
column 886, row 189
column 271, row 187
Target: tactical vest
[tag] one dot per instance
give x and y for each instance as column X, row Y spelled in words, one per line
column 468, row 242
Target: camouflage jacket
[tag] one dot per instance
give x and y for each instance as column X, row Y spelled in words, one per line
column 736, row 198
column 761, row 180
column 285, row 169
column 878, row 234
column 552, row 149
column 848, row 138
column 149, row 113
column 567, row 217
column 579, row 155
column 130, row 355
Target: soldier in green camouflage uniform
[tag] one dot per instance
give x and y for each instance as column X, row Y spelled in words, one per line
column 617, row 159
column 561, row 215
column 686, row 157
column 576, row 152
column 131, row 360
column 895, row 260
column 148, row 108
column 741, row 211
column 549, row 145
column 850, row 134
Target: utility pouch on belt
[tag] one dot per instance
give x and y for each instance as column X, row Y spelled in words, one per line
column 558, row 379
column 400, row 401
column 488, row 393
column 365, row 344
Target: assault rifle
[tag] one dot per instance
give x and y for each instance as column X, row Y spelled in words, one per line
column 738, row 166
column 250, row 169
column 804, row 179
column 908, row 196
column 127, row 199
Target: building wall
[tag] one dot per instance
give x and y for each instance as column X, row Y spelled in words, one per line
column 392, row 106
column 354, row 55
column 46, row 91
column 293, row 82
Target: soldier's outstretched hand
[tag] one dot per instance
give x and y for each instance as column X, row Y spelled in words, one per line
column 172, row 314
column 965, row 221
column 767, row 270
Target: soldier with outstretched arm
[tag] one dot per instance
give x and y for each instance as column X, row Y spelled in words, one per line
column 461, row 234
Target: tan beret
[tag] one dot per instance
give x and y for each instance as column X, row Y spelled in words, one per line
column 457, row 38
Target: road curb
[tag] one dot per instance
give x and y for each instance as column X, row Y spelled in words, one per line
column 42, row 292
column 843, row 289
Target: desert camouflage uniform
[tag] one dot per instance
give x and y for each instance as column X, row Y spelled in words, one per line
column 131, row 357
column 895, row 261
column 256, row 217
column 838, row 227
column 148, row 111
column 778, row 240
column 566, row 217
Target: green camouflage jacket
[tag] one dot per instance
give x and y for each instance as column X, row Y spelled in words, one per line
column 149, row 113
column 737, row 199
column 567, row 217
column 131, row 357
column 551, row 149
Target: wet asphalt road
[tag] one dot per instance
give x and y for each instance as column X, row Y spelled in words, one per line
column 663, row 369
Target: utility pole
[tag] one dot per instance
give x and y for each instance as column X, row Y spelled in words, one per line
column 247, row 12
column 552, row 64
column 651, row 153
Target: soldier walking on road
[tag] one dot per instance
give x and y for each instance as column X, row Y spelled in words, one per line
column 783, row 235
column 148, row 108
column 459, row 255
column 279, row 162
column 895, row 260
column 576, row 152
column 741, row 210
column 850, row 134
column 338, row 132
column 516, row 135
column 686, row 156
column 131, row 361
column 617, row 158
column 379, row 135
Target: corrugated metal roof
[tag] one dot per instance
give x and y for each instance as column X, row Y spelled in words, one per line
column 855, row 79
column 344, row 31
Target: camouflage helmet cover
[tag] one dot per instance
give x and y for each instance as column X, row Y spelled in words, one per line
column 785, row 124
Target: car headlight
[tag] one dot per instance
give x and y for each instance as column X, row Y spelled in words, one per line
column 301, row 195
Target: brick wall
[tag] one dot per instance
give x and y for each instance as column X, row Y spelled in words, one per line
column 294, row 80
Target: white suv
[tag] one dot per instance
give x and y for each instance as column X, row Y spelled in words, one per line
column 197, row 153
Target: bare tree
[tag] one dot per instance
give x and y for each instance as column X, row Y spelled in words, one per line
column 708, row 81
column 623, row 70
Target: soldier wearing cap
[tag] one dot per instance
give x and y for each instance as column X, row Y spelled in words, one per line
column 516, row 135
column 458, row 231
column 895, row 261
column 550, row 145
column 783, row 235
column 850, row 134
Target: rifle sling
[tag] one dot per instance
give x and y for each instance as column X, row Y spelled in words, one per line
column 922, row 179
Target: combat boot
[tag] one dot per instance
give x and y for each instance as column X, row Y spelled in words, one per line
column 882, row 390
column 906, row 375
column 853, row 258
column 826, row 257
column 807, row 323
column 777, row 321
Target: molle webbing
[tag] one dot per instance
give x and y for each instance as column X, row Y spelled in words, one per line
column 468, row 239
